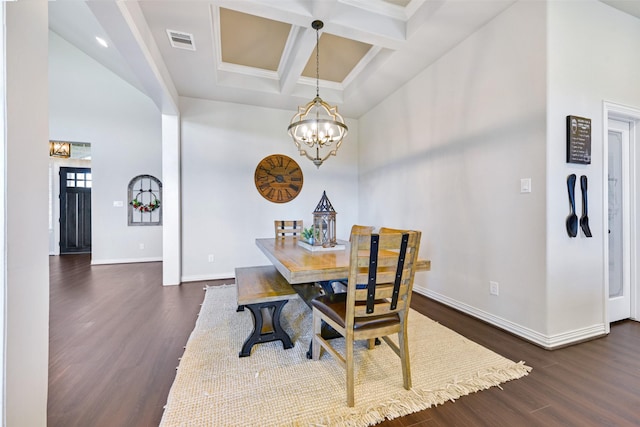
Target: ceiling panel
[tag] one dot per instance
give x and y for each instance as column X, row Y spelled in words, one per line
column 251, row 40
column 338, row 56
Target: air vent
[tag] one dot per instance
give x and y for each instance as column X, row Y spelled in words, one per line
column 181, row 40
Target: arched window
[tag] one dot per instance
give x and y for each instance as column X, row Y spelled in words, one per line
column 145, row 195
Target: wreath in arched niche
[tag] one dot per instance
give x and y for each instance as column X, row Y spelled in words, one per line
column 144, row 196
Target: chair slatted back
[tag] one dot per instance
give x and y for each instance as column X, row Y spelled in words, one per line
column 383, row 267
column 291, row 228
column 360, row 229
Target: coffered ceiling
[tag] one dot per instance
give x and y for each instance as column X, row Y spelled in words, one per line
column 262, row 52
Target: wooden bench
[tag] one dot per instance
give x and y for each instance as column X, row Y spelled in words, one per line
column 264, row 292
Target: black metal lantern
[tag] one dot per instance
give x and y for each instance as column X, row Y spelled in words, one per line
column 324, row 223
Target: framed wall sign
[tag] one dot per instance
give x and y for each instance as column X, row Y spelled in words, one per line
column 578, row 140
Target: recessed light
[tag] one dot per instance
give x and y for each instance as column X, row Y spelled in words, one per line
column 102, row 42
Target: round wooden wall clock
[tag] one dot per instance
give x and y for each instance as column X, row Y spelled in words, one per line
column 278, row 178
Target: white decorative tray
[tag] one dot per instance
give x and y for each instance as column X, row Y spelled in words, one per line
column 338, row 247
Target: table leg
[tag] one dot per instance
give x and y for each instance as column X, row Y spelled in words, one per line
column 327, row 287
column 307, row 292
column 327, row 331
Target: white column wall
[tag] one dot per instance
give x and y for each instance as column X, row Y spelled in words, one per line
column 222, row 211
column 3, row 205
column 171, row 239
column 26, row 308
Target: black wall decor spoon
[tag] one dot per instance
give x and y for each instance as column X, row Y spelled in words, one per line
column 572, row 219
column 584, row 219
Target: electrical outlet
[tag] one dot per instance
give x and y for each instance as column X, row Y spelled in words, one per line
column 210, row 257
column 141, row 246
column 494, row 288
column 525, row 185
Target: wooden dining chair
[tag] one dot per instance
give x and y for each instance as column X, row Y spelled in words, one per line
column 340, row 285
column 361, row 229
column 288, row 228
column 376, row 304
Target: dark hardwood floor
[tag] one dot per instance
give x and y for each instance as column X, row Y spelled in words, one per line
column 116, row 336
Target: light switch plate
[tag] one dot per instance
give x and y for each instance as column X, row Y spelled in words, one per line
column 525, row 185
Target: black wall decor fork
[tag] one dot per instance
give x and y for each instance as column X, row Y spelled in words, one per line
column 572, row 219
column 584, row 219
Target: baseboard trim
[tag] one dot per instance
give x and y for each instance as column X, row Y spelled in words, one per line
column 549, row 342
column 124, row 261
column 203, row 277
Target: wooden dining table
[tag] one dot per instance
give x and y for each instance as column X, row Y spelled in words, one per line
column 303, row 268
column 299, row 265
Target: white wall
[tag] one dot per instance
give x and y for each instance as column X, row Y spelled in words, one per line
column 222, row 212
column 464, row 132
column 593, row 57
column 445, row 155
column 88, row 103
column 26, row 304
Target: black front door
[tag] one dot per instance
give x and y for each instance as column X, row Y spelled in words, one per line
column 75, row 210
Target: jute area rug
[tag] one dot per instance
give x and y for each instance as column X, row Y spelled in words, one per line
column 277, row 387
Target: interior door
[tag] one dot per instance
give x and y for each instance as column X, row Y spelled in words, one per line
column 619, row 221
column 75, row 210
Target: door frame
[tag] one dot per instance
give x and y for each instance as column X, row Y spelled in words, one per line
column 54, row 199
column 620, row 307
column 631, row 115
column 83, row 215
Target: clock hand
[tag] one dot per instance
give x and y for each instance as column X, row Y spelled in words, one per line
column 278, row 178
column 267, row 171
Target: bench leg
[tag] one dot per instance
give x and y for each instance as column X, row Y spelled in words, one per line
column 258, row 335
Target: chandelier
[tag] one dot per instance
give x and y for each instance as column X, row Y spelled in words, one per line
column 317, row 126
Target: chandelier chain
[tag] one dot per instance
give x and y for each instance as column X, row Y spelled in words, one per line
column 317, row 62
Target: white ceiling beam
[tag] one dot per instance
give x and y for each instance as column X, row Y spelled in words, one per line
column 366, row 26
column 324, row 10
column 422, row 14
column 299, row 48
column 381, row 7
